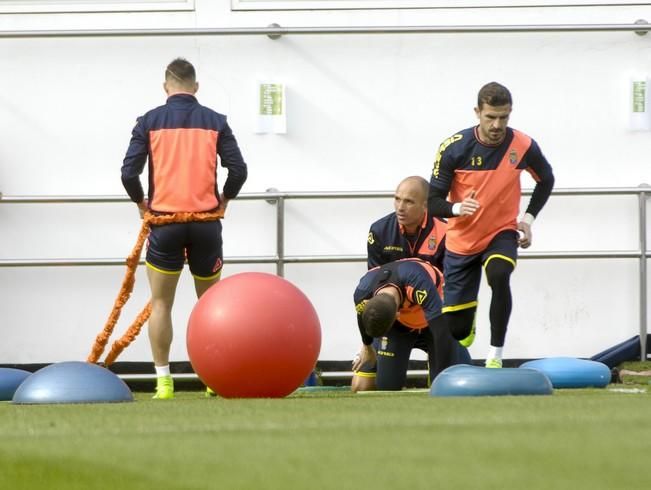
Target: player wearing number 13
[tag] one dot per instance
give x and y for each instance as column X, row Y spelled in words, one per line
column 476, row 184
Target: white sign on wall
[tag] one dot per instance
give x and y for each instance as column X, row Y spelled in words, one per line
column 413, row 4
column 84, row 6
column 640, row 112
column 272, row 116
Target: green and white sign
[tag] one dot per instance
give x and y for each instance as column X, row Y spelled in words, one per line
column 271, row 99
column 639, row 95
column 271, row 108
column 639, row 113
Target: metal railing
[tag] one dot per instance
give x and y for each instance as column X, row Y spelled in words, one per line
column 275, row 31
column 643, row 192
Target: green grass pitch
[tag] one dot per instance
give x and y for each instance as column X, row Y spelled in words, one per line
column 574, row 439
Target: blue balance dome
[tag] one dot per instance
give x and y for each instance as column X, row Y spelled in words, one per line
column 72, row 382
column 10, row 380
column 570, row 372
column 466, row 380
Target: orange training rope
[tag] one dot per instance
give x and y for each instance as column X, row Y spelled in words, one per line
column 127, row 286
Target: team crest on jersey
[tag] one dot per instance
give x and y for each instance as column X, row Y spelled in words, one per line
column 513, row 157
column 384, row 343
column 431, row 243
column 371, row 238
column 421, row 294
column 360, row 307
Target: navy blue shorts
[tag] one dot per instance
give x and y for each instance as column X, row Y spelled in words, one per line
column 393, row 353
column 200, row 242
column 463, row 272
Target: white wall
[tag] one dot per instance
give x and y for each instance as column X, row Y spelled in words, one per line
column 363, row 112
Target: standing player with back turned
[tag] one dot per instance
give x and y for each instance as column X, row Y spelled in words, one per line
column 183, row 143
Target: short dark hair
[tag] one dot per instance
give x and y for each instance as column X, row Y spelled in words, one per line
column 494, row 94
column 181, row 71
column 379, row 314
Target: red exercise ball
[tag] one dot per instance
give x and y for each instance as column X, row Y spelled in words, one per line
column 253, row 335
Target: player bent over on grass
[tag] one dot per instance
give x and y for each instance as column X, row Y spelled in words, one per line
column 398, row 309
